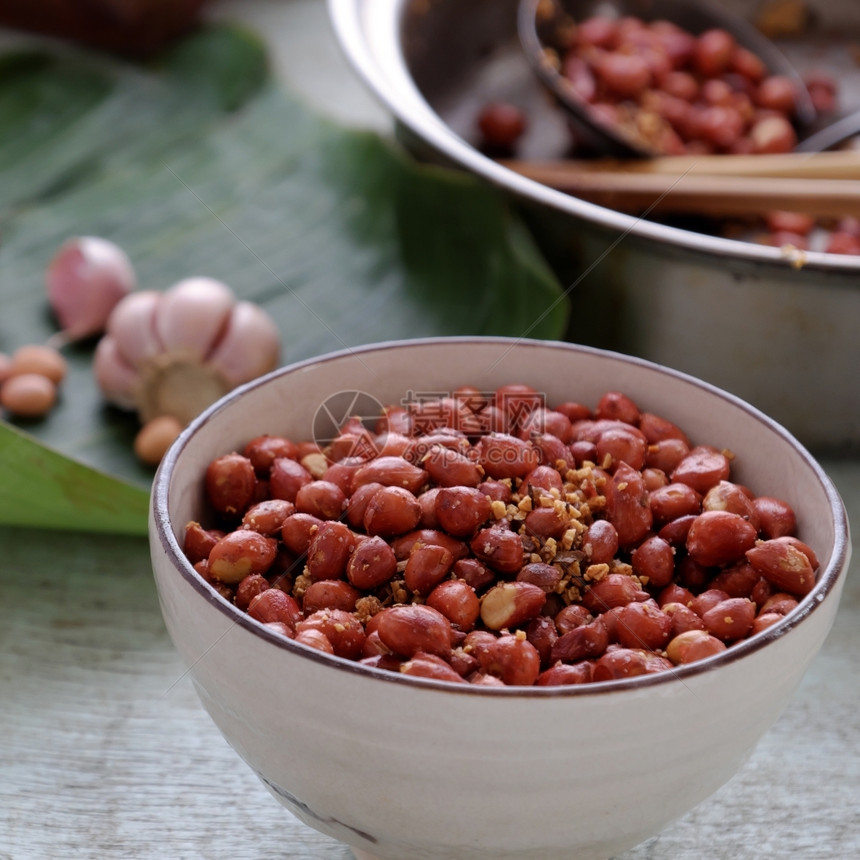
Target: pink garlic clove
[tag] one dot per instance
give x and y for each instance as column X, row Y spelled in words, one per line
column 85, row 280
column 118, row 380
column 249, row 348
column 192, row 315
column 131, row 325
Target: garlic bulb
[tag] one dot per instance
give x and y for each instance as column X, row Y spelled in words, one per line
column 174, row 353
column 85, row 280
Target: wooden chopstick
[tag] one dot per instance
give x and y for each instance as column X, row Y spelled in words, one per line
column 844, row 164
column 721, row 194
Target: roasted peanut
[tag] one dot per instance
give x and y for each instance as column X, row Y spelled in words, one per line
column 704, row 467
column 268, row 517
column 426, row 567
column 371, row 564
column 784, row 566
column 627, row 505
column 511, row 604
column 240, row 553
column 391, row 511
column 329, row 549
column 273, row 605
column 262, row 451
column 462, row 510
column 329, row 594
column 457, row 601
column 642, row 625
column 589, row 640
column 322, row 499
column 693, row 645
column 230, row 483
column 342, row 629
column 391, row 472
column 286, row 477
column 422, row 665
column 499, row 548
column 719, row 537
column 411, row 628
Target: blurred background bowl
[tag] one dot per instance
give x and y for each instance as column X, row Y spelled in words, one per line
column 776, row 329
column 405, row 768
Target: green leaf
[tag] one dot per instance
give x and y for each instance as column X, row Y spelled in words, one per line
column 42, row 488
column 343, row 238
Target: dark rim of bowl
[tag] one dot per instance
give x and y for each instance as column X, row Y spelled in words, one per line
column 350, row 18
column 826, row 580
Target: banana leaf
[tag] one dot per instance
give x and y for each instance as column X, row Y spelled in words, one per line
column 201, row 165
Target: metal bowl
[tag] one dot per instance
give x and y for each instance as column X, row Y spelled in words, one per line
column 775, row 328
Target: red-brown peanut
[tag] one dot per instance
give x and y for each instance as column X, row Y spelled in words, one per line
column 682, row 618
column 426, row 567
column 391, row 511
column 230, row 483
column 504, row 456
column 451, row 468
column 342, row 629
column 329, row 594
column 693, row 645
column 404, row 544
column 268, row 517
column 776, row 518
column 730, row 619
column 460, row 511
column 240, row 553
column 499, row 548
column 628, row 663
column 704, row 467
column 411, row 628
column 274, row 605
column 262, row 451
column 545, row 576
column 565, row 674
column 423, row 665
column 329, row 549
column 316, row 639
column 784, row 566
column 511, row 604
column 642, row 625
column 515, row 660
column 457, row 601
column 297, row 531
column 666, row 454
column 286, row 478
column 719, row 537
column 615, row 589
column 198, row 542
column 249, row 588
column 672, row 501
column 654, row 561
column 589, row 640
column 391, row 472
column 600, row 542
column 627, row 505
column 322, row 499
column 371, row 564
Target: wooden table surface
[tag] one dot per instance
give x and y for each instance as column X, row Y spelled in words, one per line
column 105, row 751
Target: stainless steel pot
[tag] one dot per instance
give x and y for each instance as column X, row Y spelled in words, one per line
column 778, row 330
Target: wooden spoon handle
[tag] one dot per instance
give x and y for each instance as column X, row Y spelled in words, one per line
column 704, row 194
column 823, row 165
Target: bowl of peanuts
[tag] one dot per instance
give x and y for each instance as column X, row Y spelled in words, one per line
column 760, row 304
column 451, row 597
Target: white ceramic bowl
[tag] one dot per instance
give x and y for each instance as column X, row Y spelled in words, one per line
column 411, row 769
